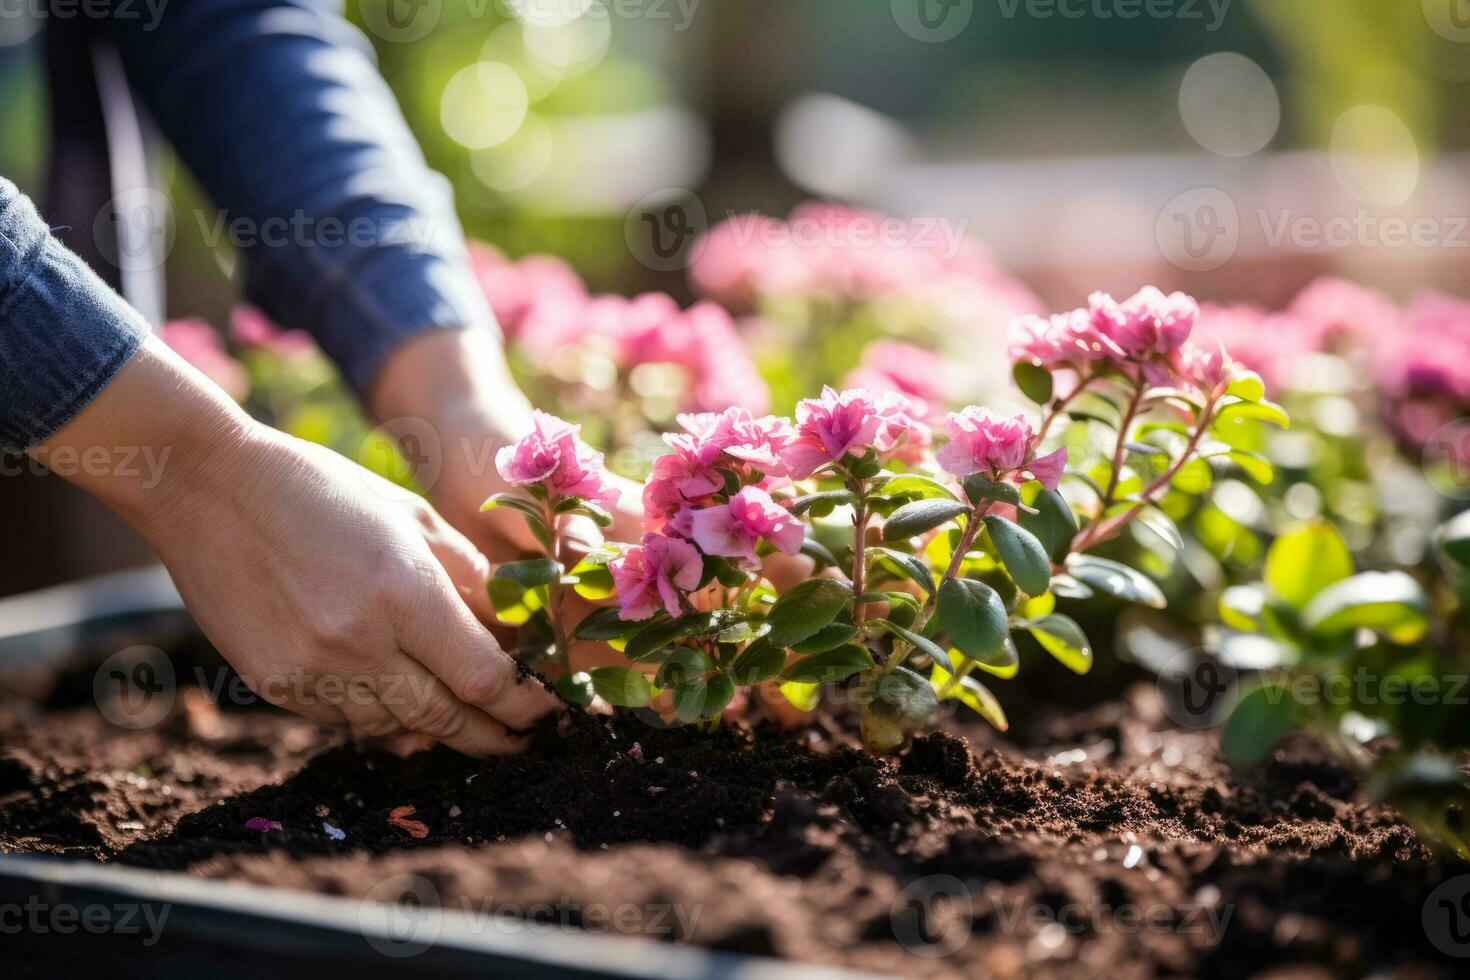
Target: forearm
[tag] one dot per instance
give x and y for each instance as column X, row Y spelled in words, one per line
column 343, row 230
column 169, row 436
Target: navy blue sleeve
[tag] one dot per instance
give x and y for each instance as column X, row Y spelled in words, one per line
column 63, row 332
column 278, row 109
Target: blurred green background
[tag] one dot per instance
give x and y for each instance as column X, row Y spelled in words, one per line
column 554, row 117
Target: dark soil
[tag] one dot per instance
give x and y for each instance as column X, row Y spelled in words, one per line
column 1111, row 842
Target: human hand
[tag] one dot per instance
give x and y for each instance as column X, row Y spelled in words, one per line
column 333, row 594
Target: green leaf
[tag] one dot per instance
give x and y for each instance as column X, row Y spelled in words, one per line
column 514, row 502
column 576, row 689
column 914, row 568
column 1023, row 555
column 1237, row 412
column 974, row 616
column 529, row 574
column 1052, row 524
column 818, row 552
column 1258, row 724
column 829, row 637
column 913, row 485
column 1194, row 477
column 904, row 698
column 1005, row 664
column 978, row 489
column 1034, row 381
column 805, row 609
column 758, row 662
column 831, row 666
column 1067, row 587
column 1061, row 637
column 1241, row 607
column 920, row 516
column 827, row 498
column 683, row 666
column 576, row 505
column 802, row 697
column 922, row 644
column 1305, row 561
column 603, row 625
column 702, row 698
column 514, row 604
column 621, row 687
column 1247, row 386
column 1391, row 603
column 1161, row 525
column 1117, row 579
column 971, row 693
column 1454, row 539
column 593, row 581
column 1256, row 466
column 664, row 633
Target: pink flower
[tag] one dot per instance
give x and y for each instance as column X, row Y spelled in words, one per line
column 678, row 480
column 196, row 342
column 1146, row 323
column 733, row 530
column 515, row 289
column 981, row 441
column 1338, row 313
column 735, row 433
column 658, row 573
column 829, row 428
column 554, row 457
column 1205, row 365
column 251, row 328
column 1062, row 339
column 893, row 365
column 901, row 429
column 1270, row 344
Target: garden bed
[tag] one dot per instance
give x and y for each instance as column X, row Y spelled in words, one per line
column 1100, row 836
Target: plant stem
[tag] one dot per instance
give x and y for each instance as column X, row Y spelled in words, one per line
column 554, row 592
column 1060, row 406
column 1102, row 530
column 971, row 532
column 859, row 557
column 1121, row 449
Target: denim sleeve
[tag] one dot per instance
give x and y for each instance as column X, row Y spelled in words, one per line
column 63, row 332
column 278, row 109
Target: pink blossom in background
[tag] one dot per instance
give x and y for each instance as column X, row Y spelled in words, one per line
column 196, row 342
column 553, row 456
column 1270, row 344
column 1338, row 313
column 981, row 441
column 733, row 530
column 656, row 574
column 744, row 258
column 902, row 431
column 895, row 365
column 515, row 289
column 251, row 328
column 1430, row 357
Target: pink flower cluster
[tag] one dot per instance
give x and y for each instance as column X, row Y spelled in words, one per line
column 998, row 447
column 546, row 310
column 894, row 365
column 712, row 494
column 552, row 456
column 1146, row 335
column 843, row 255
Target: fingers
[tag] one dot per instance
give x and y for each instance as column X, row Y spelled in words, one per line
column 438, row 632
column 422, row 705
column 468, row 569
